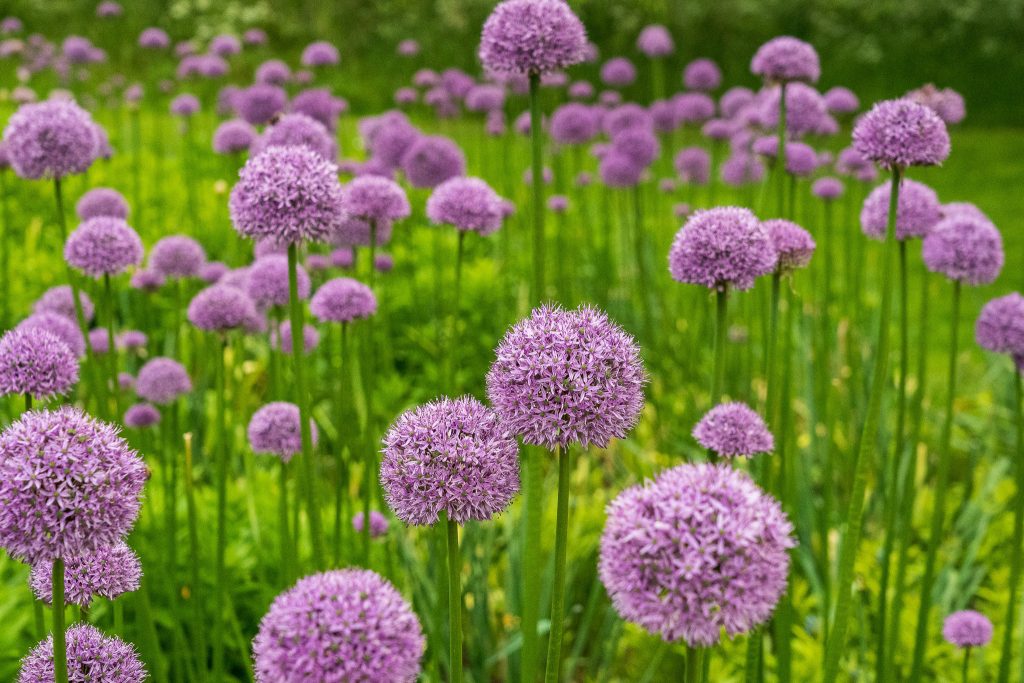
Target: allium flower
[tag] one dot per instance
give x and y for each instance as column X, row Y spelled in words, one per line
column 212, row 271
column 220, row 308
column 619, row 170
column 378, row 524
column 320, row 53
column 60, row 326
column 91, row 656
column 147, row 280
column 132, row 339
column 967, row 628
column 50, row 139
column 793, row 244
column 900, row 133
column 655, row 41
column 467, row 204
column 801, row 159
column 101, row 201
column 319, row 104
column 722, row 247
column 532, row 37
column 177, row 256
column 451, row 456
column 639, row 144
column 99, row 340
column 734, row 429
column 618, row 72
column 699, row 549
column 431, row 160
column 36, row 362
column 104, row 572
column 806, row 112
column 275, row 429
column 288, row 194
column 225, row 45
column 141, row 415
column 785, row 59
column 185, row 105
column 69, row 484
column 485, row 97
column 965, row 249
column 1000, row 326
column 827, row 188
column 154, row 39
column 702, row 75
column 59, row 299
column 341, row 625
column 272, row 71
column 664, row 116
column 343, row 257
column 298, row 130
column 343, row 300
column 268, row 281
column 260, row 103
column 375, row 199
column 103, row 246
column 693, row 164
column 917, row 210
column 558, row 203
column 233, row 137
column 356, row 232
column 255, row 36
column 563, row 377
column 282, row 337
column 734, row 100
column 947, row 103
column 840, row 100
column 383, row 263
column 162, row 381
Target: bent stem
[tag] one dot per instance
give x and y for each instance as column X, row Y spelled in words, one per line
column 553, row 670
column 60, row 655
column 1018, row 534
column 537, row 183
column 454, row 598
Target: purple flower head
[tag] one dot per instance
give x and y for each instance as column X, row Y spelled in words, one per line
column 319, row 104
column 298, row 130
column 1000, row 326
column 626, row 117
column 356, row 232
column 105, row 572
column 154, row 39
column 254, row 37
column 581, row 90
column 70, row 485
column 967, row 628
column 78, row 50
column 718, row 129
column 99, row 340
column 532, row 37
column 141, row 415
column 63, row 327
column 389, row 141
column 408, row 48
column 702, row 75
column 383, row 263
column 806, row 112
column 681, row 210
column 558, row 203
column 225, row 45
column 132, row 339
column 900, row 133
column 450, row 456
column 267, row 284
column 698, row 549
column 406, row 96
column 233, row 137
column 343, row 300
column 917, row 212
column 162, row 381
column 793, row 244
column 342, row 257
column 563, row 377
column 185, row 105
column 801, row 159
column 457, row 83
column 273, row 71
column 693, row 164
column 103, row 246
column 91, row 656
column 963, row 209
column 485, row 97
column 655, row 41
column 785, row 59
column 722, row 247
column 965, row 249
column 275, row 429
column 734, row 100
column 618, row 72
column 220, row 308
column 147, row 280
column 37, row 363
column 288, row 194
column 51, row 139
column 431, row 160
column 101, row 201
column 378, row 524
column 734, row 429
column 376, row 199
column 177, row 256
column 282, row 338
column 467, row 204
column 109, row 9
column 260, row 103
column 620, row 170
column 947, row 103
column 840, row 100
column 664, row 116
column 827, row 188
column 59, row 300
column 638, row 144
column 212, row 271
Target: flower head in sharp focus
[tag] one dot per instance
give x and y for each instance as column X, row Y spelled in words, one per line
column 722, row 247
column 784, row 59
column 275, row 429
column 896, row 134
column 734, row 429
column 793, row 244
column 341, row 625
column 101, row 201
column 69, row 484
column 91, row 656
column 177, row 256
column 343, row 300
column 267, row 284
column 61, row 326
column 965, row 249
column 562, row 377
column 1000, row 326
column 220, row 308
column 105, row 572
column 375, row 199
column 162, row 381
column 450, row 456
column 967, row 628
column 467, row 204
column 60, row 299
column 36, row 362
column 532, row 37
column 51, row 139
column 103, row 246
column 917, row 211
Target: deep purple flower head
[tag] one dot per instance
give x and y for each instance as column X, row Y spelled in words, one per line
column 722, row 247
column 288, row 194
column 260, row 103
column 793, row 244
column 275, row 429
column 273, row 71
column 185, row 105
column 103, row 246
column 281, row 338
column 734, row 429
column 105, row 572
column 51, row 139
column 1000, row 326
column 376, row 199
column 378, row 524
column 343, row 300
column 177, row 256
column 840, row 100
column 101, row 201
column 91, row 656
column 63, row 327
column 655, row 41
column 485, row 97
column 154, row 39
column 965, row 249
column 467, row 204
column 147, row 280
column 785, row 59
column 698, row 549
column 827, row 188
column 319, row 104
column 618, row 72
column 693, row 164
column 220, row 308
column 901, row 133
column 563, row 377
column 431, row 159
column 620, row 170
column 702, row 75
column 917, row 212
column 268, row 281
column 298, row 130
column 946, row 102
column 233, row 137
column 36, row 362
column 141, row 415
column 450, row 456
column 69, row 485
column 162, row 381
column 225, row 45
column 532, row 37
column 967, row 628
column 59, row 300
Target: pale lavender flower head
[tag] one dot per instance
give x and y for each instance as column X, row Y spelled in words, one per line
column 319, row 104
column 91, row 656
column 212, row 271
column 177, row 256
column 793, row 244
column 620, row 170
column 70, row 484
column 141, row 415
column 185, row 105
column 698, row 549
column 233, row 137
column 467, row 204
column 37, row 363
column 1000, row 326
column 59, row 299
column 255, row 37
column 734, row 429
column 718, row 129
column 105, row 572
column 147, row 280
column 408, row 48
column 125, row 380
column 806, row 112
column 162, row 381
column 376, row 199
column 378, row 524
column 51, row 139
column 967, row 628
column 450, row 456
column 109, row 9
column 618, row 72
column 840, row 100
column 406, row 96
column 281, row 338
column 917, row 210
column 288, row 194
column 827, row 188
column 702, row 75
column 63, row 327
column 154, row 38
column 664, row 116
column 433, row 159
column 693, row 164
column 225, row 45
column 896, row 134
column 272, row 71
column 532, row 37
column 275, row 429
column 260, row 103
column 457, row 83
column 946, row 102
column 784, row 59
column 343, row 300
column 721, row 248
column 965, row 249
column 101, row 201
column 558, row 203
column 655, row 41
column 220, row 308
column 298, row 130
column 103, row 246
column 563, row 377
column 391, row 139
column 267, row 284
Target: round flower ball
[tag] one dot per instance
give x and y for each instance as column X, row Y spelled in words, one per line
column 793, row 244
column 233, row 137
column 433, row 159
column 103, row 246
column 358, row 232
column 467, row 204
column 1000, row 326
column 563, row 377
column 105, row 572
column 965, row 249
column 896, row 134
column 51, row 139
column 267, row 284
column 220, row 308
column 60, row 300
column 655, row 41
column 276, row 429
column 734, row 429
column 378, row 524
column 343, row 300
column 177, row 256
column 618, row 72
column 91, row 656
column 375, row 199
column 102, row 201
column 341, row 625
column 298, row 130
column 288, row 194
column 532, row 37
column 141, row 415
column 721, row 248
column 69, row 483
column 699, row 549
column 61, row 326
column 827, row 188
column 162, row 381
column 784, row 59
column 917, row 210
column 702, row 75
column 212, row 271
column 260, row 103
column 449, row 456
column 967, row 628
column 320, row 53
column 36, row 363
column 282, row 337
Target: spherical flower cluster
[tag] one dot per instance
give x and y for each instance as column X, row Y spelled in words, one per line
column 288, row 194
column 693, row 164
column 185, row 105
column 50, row 139
column 147, row 280
column 60, row 326
column 359, row 232
column 558, row 203
column 638, row 144
column 162, row 381
column 722, row 247
column 282, row 337
column 177, row 256
column 342, row 625
column 734, row 429
column 532, row 37
column 619, row 170
column 255, row 36
column 664, row 116
column 69, row 484
column 699, row 549
column 220, row 308
column 785, row 59
column 965, row 249
column 272, row 71
column 735, row 99
column 275, row 429
column 260, row 103
column 618, row 72
column 378, row 524
column 693, row 107
column 563, row 377
column 298, row 130
column 141, row 415
column 433, row 159
column 967, row 628
column 467, row 204
column 485, row 97
column 917, row 210
column 376, row 199
column 212, row 271
column 36, row 362
column 103, row 246
column 626, row 117
column 574, row 124
column 655, row 41
column 319, row 104
column 320, row 53
column 1000, row 326
column 801, row 159
column 806, row 112
column 154, row 39
column 827, row 188
column 840, row 100
column 60, row 300
column 793, row 244
column 702, row 75
column 99, row 340
column 104, row 572
column 267, row 284
column 101, row 201
column 946, row 102
column 896, row 134
column 91, row 656
column 343, row 300
column 233, row 137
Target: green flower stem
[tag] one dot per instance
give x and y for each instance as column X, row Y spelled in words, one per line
column 718, row 371
column 537, row 296
column 694, row 664
column 60, row 655
column 6, row 240
column 453, row 331
column 1018, row 534
column 341, row 490
column 780, row 156
column 284, row 527
column 454, row 599
column 967, row 664
column 554, row 664
column 108, row 301
column 195, row 593
column 221, row 461
column 533, row 485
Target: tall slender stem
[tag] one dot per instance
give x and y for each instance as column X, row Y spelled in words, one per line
column 454, row 324
column 554, row 664
column 721, row 309
column 1018, row 533
column 108, row 301
column 533, row 484
column 60, row 655
column 538, row 190
column 195, row 597
column 220, row 575
column 967, row 664
column 780, row 158
column 454, row 599
column 284, row 527
column 340, row 491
